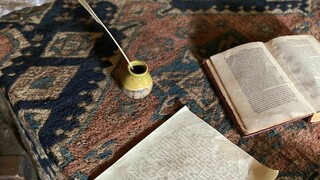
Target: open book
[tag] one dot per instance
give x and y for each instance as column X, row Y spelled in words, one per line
column 186, row 147
column 267, row 84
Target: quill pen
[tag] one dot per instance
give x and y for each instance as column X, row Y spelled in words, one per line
column 95, row 17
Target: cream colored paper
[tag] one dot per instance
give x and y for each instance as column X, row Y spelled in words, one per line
column 186, row 147
column 6, row 6
column 226, row 96
column 277, row 114
column 299, row 57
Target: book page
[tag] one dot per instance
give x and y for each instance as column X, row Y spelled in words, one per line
column 259, row 89
column 186, row 147
column 299, row 57
column 222, row 93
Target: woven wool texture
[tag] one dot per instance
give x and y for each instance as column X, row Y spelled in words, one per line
column 60, row 72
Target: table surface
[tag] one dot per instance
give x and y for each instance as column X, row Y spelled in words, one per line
column 61, row 75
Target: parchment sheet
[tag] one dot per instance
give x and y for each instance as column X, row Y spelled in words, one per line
column 186, row 147
column 6, row 6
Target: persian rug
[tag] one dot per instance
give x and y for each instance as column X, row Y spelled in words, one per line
column 60, row 73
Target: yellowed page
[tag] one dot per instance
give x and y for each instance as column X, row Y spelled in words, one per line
column 186, row 147
column 226, row 97
column 260, row 91
column 299, row 57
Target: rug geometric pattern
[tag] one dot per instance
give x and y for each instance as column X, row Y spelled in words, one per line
column 60, row 72
column 216, row 6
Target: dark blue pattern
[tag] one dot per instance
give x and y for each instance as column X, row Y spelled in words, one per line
column 237, row 5
column 69, row 99
column 42, row 83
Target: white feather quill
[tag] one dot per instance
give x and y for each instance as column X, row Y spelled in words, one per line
column 95, row 17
